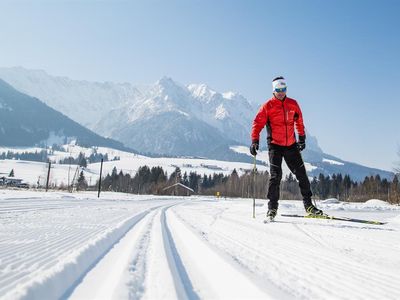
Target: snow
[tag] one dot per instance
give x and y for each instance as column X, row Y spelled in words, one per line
column 396, row 220
column 76, row 246
column 72, row 150
column 330, row 201
column 229, row 95
column 201, row 92
column 63, row 94
column 201, row 166
column 62, row 174
column 220, row 112
column 20, row 149
column 376, row 204
column 225, row 281
column 332, row 162
column 32, row 172
column 54, row 138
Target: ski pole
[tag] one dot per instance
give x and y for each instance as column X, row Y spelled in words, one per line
column 254, row 187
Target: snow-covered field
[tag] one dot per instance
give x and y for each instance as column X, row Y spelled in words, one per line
column 61, row 245
column 129, row 163
column 63, row 174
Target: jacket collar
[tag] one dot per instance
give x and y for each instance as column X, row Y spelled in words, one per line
column 274, row 98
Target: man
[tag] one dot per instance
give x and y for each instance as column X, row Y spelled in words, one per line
column 281, row 115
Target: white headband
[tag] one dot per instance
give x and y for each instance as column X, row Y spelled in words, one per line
column 278, row 84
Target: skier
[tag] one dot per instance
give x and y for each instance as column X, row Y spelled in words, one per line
column 281, row 115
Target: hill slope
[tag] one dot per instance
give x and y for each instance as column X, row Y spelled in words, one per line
column 26, row 121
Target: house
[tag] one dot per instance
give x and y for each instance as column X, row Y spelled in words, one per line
column 178, row 189
column 12, row 181
column 212, row 167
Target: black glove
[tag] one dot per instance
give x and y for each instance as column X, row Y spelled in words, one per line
column 301, row 144
column 254, row 147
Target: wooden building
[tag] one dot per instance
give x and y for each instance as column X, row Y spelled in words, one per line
column 178, row 189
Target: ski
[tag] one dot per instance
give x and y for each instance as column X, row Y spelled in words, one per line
column 328, row 217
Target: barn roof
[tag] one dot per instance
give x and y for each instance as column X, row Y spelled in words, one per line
column 179, row 184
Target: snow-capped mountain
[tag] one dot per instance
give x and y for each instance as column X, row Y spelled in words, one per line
column 109, row 107
column 169, row 103
column 178, row 119
column 163, row 118
column 121, row 111
column 82, row 101
column 192, row 120
column 230, row 112
column 26, row 121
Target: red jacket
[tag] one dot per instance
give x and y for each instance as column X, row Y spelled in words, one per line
column 280, row 117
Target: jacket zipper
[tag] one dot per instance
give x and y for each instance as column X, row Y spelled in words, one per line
column 284, row 116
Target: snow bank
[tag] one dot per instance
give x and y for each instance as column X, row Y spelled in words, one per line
column 376, row 203
column 330, row 201
column 395, row 220
column 370, row 205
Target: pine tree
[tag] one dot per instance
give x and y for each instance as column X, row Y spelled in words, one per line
column 114, row 173
column 82, row 160
column 185, row 179
column 82, row 183
column 334, row 189
column 394, row 190
column 314, row 186
column 324, row 183
column 157, row 175
column 194, row 180
column 233, row 184
column 204, row 183
column 347, row 186
column 114, row 179
column 176, row 176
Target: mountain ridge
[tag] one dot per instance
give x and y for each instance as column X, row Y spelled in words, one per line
column 27, row 121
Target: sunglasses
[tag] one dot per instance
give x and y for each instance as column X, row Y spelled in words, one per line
column 282, row 90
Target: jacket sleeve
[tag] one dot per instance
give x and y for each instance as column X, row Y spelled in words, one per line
column 259, row 122
column 299, row 121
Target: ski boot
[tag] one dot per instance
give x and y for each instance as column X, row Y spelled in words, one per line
column 313, row 211
column 271, row 214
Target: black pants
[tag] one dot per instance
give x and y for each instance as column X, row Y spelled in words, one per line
column 294, row 161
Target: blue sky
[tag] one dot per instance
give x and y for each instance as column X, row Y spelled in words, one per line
column 340, row 58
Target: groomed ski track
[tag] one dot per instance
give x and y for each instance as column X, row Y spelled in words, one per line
column 155, row 274
column 153, row 247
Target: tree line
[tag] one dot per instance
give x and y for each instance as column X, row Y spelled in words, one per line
column 39, row 156
column 43, row 156
column 154, row 180
column 82, row 160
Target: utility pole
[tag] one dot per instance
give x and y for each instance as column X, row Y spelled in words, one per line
column 101, row 171
column 48, row 177
column 69, row 171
